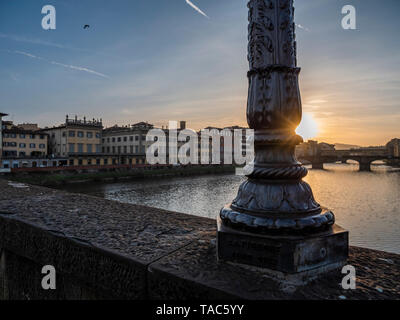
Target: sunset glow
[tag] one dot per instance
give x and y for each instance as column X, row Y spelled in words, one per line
column 308, row 127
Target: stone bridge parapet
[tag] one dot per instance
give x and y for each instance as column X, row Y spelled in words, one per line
column 103, row 249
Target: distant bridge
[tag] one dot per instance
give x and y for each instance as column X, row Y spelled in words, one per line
column 363, row 156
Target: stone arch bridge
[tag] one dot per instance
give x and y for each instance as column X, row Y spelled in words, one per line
column 363, row 156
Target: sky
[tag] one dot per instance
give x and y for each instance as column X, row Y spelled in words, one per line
column 167, row 60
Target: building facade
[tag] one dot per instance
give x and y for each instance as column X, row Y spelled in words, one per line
column 19, row 142
column 393, row 148
column 307, row 149
column 75, row 137
column 1, row 136
column 127, row 144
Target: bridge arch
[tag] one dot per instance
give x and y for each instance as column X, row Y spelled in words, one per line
column 364, row 162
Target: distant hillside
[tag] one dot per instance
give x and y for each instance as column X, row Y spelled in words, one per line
column 342, row 146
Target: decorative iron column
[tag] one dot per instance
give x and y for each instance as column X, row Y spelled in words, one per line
column 273, row 202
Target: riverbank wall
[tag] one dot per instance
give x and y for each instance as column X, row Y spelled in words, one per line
column 69, row 175
column 102, row 249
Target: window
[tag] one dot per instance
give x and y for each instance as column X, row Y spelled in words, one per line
column 113, row 149
column 113, row 139
column 131, row 138
column 22, row 145
column 32, row 145
column 42, row 136
column 89, row 135
column 131, row 149
column 22, row 136
column 71, row 133
column 32, row 136
column 98, row 162
column 71, row 162
column 125, row 139
column 80, row 134
column 98, row 135
column 89, row 162
column 80, row 147
column 103, row 140
column 80, row 162
column 105, row 161
column 64, row 134
column 108, row 149
column 42, row 146
column 119, row 149
column 136, row 138
column 71, row 147
column 143, row 138
column 89, row 148
column 108, row 139
column 125, row 149
column 98, row 148
column 13, row 135
column 119, row 139
column 22, row 154
column 136, row 149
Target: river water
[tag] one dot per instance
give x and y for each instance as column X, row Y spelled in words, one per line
column 365, row 203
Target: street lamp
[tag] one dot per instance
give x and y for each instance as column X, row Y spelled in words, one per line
column 275, row 222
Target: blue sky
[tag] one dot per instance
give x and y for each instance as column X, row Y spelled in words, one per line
column 162, row 60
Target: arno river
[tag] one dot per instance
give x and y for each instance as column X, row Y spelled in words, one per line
column 365, row 203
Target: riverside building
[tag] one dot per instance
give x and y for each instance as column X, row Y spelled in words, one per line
column 79, row 140
column 126, row 144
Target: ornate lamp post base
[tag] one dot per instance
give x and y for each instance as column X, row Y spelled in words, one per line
column 284, row 252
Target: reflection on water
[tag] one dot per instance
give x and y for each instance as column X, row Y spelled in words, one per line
column 365, row 203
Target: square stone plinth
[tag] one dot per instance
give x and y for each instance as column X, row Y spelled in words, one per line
column 286, row 254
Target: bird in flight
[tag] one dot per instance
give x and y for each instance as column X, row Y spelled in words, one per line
column 86, row 26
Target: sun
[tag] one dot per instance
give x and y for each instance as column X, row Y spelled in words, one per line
column 308, row 127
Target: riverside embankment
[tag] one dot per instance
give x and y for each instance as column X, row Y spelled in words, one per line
column 51, row 178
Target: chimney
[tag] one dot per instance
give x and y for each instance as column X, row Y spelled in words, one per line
column 182, row 125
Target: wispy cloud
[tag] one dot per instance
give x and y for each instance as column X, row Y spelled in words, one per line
column 38, row 42
column 196, row 8
column 79, row 69
column 302, row 27
column 68, row 66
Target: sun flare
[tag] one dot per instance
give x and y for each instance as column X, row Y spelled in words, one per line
column 308, row 127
